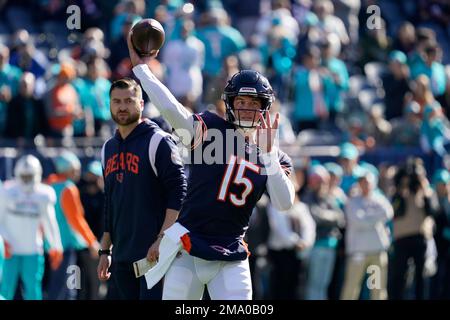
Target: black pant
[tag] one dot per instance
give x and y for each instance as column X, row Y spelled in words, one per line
column 125, row 285
column 405, row 248
column 89, row 280
column 284, row 274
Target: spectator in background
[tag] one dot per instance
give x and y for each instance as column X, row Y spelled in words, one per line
column 406, row 129
column 214, row 96
column 348, row 159
column 91, row 46
column 328, row 22
column 62, row 103
column 441, row 184
column 75, row 231
column 421, row 92
column 93, row 91
column 291, row 234
column 430, row 66
column 220, row 41
column 26, row 115
column 412, row 205
column 184, row 59
column 367, row 239
column 328, row 218
column 278, row 53
column 335, row 171
column 406, row 39
column 357, row 132
column 435, row 131
column 9, row 84
column 424, row 37
column 119, row 62
column 245, row 18
column 338, row 75
column 26, row 56
column 123, row 11
column 395, row 84
column 280, row 16
column 375, row 45
column 377, row 126
column 310, row 106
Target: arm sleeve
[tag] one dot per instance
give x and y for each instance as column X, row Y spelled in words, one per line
column 170, row 171
column 74, row 213
column 279, row 186
column 50, row 226
column 175, row 113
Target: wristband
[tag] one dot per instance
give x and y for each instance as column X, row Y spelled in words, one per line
column 105, row 251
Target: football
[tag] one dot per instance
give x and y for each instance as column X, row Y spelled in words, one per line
column 147, row 36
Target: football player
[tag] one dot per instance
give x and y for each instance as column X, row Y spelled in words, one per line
column 27, row 207
column 222, row 194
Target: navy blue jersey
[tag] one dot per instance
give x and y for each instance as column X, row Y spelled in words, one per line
column 221, row 196
column 143, row 177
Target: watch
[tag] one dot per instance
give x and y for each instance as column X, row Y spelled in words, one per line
column 104, row 251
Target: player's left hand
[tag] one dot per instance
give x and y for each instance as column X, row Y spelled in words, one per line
column 153, row 252
column 266, row 132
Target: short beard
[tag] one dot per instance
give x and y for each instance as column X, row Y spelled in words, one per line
column 132, row 118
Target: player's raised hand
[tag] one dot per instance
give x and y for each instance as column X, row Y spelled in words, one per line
column 135, row 58
column 266, row 132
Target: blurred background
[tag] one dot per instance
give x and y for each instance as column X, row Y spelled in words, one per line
column 363, row 87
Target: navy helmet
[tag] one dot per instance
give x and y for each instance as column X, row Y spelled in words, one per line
column 247, row 83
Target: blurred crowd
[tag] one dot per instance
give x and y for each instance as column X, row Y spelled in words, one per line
column 345, row 73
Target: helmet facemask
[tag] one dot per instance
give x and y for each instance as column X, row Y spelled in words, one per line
column 237, row 116
column 251, row 84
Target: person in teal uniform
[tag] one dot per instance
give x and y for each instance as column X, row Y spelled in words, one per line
column 94, row 97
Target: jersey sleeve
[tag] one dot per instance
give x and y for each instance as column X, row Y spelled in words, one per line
column 74, row 213
column 170, row 171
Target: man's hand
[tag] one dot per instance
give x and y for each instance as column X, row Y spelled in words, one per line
column 153, row 252
column 135, row 58
column 266, row 132
column 103, row 267
column 8, row 250
column 56, row 257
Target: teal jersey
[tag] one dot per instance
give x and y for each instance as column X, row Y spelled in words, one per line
column 9, row 77
column 333, row 92
column 70, row 239
column 436, row 74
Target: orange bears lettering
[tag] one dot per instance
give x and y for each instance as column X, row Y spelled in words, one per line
column 123, row 161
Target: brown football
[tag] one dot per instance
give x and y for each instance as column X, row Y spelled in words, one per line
column 147, row 35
